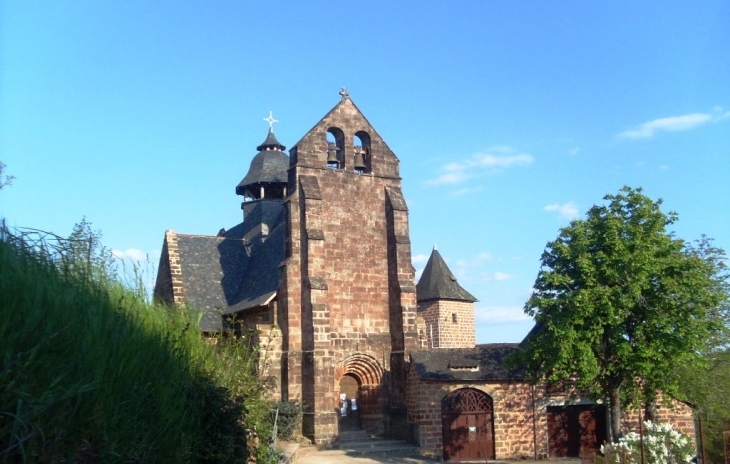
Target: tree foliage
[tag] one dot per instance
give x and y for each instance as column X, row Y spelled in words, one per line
column 619, row 302
column 708, row 388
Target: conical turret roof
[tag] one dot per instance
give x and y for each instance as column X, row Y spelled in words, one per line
column 268, row 166
column 271, row 143
column 437, row 282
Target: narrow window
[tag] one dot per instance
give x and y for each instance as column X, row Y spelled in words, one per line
column 453, row 318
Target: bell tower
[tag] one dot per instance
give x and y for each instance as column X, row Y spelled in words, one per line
column 264, row 188
column 347, row 291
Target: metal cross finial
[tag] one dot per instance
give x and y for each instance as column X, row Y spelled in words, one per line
column 271, row 121
column 344, row 93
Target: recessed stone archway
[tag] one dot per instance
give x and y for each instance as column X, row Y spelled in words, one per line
column 363, row 367
column 368, row 374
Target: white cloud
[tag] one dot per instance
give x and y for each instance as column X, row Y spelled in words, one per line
column 131, row 254
column 500, row 314
column 663, row 167
column 466, row 191
column 567, row 210
column 485, row 256
column 449, row 178
column 419, row 263
column 501, row 276
column 673, row 124
column 419, row 259
column 493, row 160
column 574, row 151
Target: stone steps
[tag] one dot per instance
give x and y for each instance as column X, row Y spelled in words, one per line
column 360, row 443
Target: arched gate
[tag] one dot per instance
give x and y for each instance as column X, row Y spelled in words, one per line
column 467, row 421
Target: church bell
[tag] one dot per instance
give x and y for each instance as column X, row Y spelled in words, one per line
column 359, row 161
column 332, row 154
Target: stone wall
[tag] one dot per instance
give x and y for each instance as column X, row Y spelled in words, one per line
column 448, row 323
column 347, row 285
column 169, row 283
column 516, row 425
column 671, row 411
column 520, row 415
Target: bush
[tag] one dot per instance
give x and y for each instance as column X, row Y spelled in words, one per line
column 289, row 417
column 662, row 445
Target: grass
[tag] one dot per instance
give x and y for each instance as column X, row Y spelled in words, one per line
column 92, row 372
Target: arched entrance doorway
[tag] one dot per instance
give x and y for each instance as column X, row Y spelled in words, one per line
column 359, row 377
column 467, row 424
column 349, row 403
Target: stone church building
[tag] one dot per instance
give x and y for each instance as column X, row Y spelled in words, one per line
column 320, row 268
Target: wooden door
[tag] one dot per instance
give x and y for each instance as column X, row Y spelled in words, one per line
column 467, row 425
column 575, row 430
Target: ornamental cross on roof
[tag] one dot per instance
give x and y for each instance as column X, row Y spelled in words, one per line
column 271, row 121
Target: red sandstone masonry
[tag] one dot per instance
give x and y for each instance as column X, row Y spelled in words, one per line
column 340, row 287
column 441, row 331
column 520, row 431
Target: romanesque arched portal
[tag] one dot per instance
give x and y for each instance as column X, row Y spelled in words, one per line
column 370, row 394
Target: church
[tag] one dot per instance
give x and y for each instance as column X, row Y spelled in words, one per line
column 320, row 268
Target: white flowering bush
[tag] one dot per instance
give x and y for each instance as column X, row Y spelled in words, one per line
column 662, row 445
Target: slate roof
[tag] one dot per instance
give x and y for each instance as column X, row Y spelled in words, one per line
column 225, row 274
column 261, row 282
column 483, row 362
column 271, row 143
column 270, row 165
column 437, row 282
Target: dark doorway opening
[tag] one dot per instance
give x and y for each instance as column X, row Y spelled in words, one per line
column 350, row 404
column 575, row 430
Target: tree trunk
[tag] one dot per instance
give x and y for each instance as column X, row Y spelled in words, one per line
column 615, row 404
column 650, row 411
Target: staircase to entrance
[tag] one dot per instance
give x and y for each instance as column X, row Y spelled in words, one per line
column 360, row 443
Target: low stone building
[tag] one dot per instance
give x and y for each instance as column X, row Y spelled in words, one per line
column 320, row 269
column 463, row 404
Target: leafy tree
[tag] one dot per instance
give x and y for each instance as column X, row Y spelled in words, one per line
column 619, row 302
column 708, row 388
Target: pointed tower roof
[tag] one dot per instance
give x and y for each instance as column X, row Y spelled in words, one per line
column 437, row 282
column 271, row 143
column 270, row 163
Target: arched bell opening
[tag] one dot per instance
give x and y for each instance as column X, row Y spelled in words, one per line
column 362, row 152
column 335, row 148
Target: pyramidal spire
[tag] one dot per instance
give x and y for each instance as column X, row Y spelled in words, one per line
column 438, row 282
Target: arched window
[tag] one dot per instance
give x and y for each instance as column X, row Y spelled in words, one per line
column 335, row 148
column 362, row 152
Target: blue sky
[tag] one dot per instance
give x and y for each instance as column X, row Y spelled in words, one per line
column 509, row 119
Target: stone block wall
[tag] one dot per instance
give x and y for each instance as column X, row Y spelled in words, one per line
column 516, row 424
column 169, row 283
column 346, row 286
column 674, row 412
column 449, row 323
column 520, row 415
